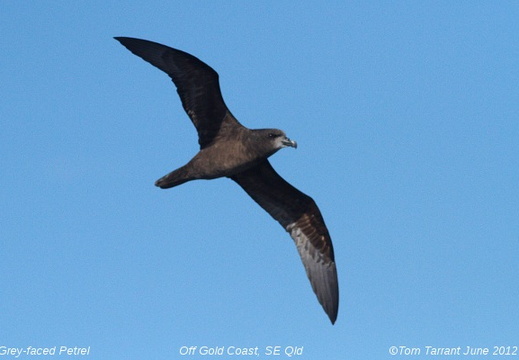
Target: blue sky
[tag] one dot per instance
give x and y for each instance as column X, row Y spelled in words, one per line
column 406, row 116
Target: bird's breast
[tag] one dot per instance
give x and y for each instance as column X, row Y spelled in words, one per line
column 224, row 159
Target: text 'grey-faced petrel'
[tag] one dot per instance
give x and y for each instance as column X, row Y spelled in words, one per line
column 229, row 149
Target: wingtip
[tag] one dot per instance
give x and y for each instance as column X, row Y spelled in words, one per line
column 332, row 317
column 125, row 40
column 333, row 313
column 122, row 39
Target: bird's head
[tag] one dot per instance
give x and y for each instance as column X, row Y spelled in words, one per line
column 271, row 140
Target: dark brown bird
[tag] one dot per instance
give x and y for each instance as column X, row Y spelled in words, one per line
column 229, row 149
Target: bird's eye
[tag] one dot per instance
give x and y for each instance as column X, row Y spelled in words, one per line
column 272, row 135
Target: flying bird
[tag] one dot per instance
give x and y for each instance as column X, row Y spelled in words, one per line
column 228, row 149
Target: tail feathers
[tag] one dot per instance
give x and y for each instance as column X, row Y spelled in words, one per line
column 174, row 178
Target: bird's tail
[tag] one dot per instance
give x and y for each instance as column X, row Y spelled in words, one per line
column 174, row 178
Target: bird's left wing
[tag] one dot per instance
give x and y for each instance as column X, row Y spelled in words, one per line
column 300, row 216
column 197, row 85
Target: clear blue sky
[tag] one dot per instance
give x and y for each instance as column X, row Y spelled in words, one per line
column 407, row 120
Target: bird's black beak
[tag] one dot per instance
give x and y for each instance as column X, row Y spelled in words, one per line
column 287, row 142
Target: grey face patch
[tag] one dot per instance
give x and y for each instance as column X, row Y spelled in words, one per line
column 287, row 142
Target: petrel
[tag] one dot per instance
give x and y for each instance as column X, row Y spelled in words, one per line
column 228, row 149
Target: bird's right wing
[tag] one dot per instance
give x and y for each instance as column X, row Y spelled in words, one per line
column 197, row 85
column 300, row 216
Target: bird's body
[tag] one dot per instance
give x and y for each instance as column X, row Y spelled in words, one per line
column 225, row 158
column 228, row 149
